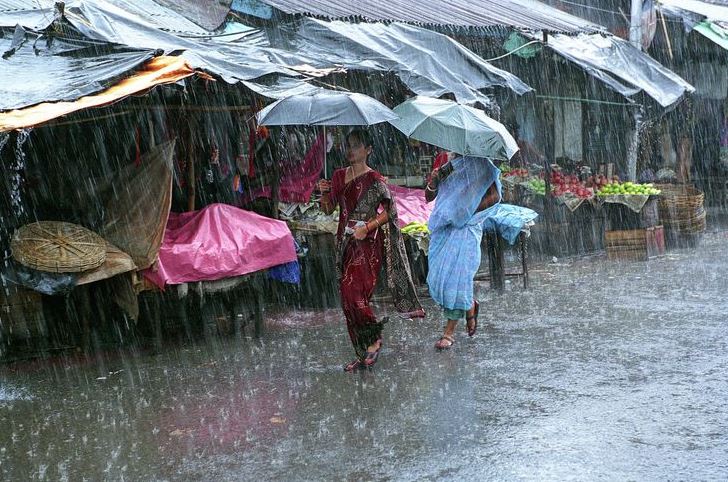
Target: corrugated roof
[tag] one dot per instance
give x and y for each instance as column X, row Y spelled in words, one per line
column 521, row 14
column 36, row 14
column 209, row 14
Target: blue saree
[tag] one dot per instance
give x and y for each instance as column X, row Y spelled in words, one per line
column 456, row 230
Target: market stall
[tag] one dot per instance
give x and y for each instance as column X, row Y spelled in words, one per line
column 221, row 249
column 584, row 212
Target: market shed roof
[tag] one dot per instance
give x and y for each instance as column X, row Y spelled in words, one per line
column 697, row 9
column 88, row 46
column 528, row 15
column 209, row 14
column 708, row 19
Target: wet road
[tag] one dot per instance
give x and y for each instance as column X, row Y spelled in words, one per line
column 602, row 371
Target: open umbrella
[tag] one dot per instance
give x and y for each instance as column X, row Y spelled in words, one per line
column 455, row 127
column 326, row 108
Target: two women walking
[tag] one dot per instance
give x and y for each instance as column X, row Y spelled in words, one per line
column 368, row 237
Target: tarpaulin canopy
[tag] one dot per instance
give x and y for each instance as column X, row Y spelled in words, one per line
column 220, row 241
column 159, row 70
column 427, row 62
column 694, row 10
column 62, row 71
column 36, row 14
column 714, row 32
column 621, row 66
column 85, row 46
column 282, row 87
column 708, row 19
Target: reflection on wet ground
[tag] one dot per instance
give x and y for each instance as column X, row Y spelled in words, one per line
column 602, row 370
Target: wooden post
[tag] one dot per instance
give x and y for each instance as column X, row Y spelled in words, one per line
column 495, row 261
column 258, row 313
column 191, row 176
column 547, row 112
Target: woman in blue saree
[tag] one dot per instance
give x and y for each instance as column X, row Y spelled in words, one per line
column 464, row 200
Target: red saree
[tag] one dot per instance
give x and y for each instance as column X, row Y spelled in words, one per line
column 359, row 262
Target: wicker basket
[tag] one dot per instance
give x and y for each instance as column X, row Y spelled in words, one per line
column 681, row 209
column 58, row 247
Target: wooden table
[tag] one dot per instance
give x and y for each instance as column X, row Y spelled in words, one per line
column 496, row 246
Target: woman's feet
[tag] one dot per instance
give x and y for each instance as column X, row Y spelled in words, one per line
column 353, row 365
column 447, row 339
column 445, row 342
column 373, row 354
column 370, row 358
column 471, row 320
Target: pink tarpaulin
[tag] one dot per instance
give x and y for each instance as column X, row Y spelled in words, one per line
column 217, row 242
column 298, row 177
column 411, row 205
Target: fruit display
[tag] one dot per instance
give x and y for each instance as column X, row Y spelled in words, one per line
column 599, row 181
column 519, row 172
column 563, row 183
column 627, row 188
column 415, row 228
column 538, row 186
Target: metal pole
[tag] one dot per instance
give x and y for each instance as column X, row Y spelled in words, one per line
column 635, row 27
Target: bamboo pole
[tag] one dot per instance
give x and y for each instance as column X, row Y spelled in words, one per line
column 664, row 31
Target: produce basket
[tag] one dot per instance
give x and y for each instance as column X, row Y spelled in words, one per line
column 681, row 209
column 58, row 247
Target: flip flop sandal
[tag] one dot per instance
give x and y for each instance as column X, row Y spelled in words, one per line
column 471, row 329
column 372, row 356
column 440, row 345
column 353, row 365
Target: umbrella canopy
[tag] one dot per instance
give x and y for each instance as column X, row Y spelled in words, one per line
column 326, row 108
column 455, row 127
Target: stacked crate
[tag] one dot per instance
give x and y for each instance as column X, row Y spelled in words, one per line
column 635, row 244
column 631, row 235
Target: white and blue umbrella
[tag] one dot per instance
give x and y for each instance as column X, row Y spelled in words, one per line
column 454, row 127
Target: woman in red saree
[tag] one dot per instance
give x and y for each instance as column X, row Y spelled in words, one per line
column 367, row 237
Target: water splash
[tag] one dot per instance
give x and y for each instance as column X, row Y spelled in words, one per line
column 11, row 394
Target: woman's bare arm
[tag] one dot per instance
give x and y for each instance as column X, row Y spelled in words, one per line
column 432, row 186
column 490, row 198
column 324, row 186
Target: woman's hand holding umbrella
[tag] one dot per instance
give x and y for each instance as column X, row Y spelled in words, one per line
column 323, row 186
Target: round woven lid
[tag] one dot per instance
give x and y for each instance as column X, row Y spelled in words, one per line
column 58, row 247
